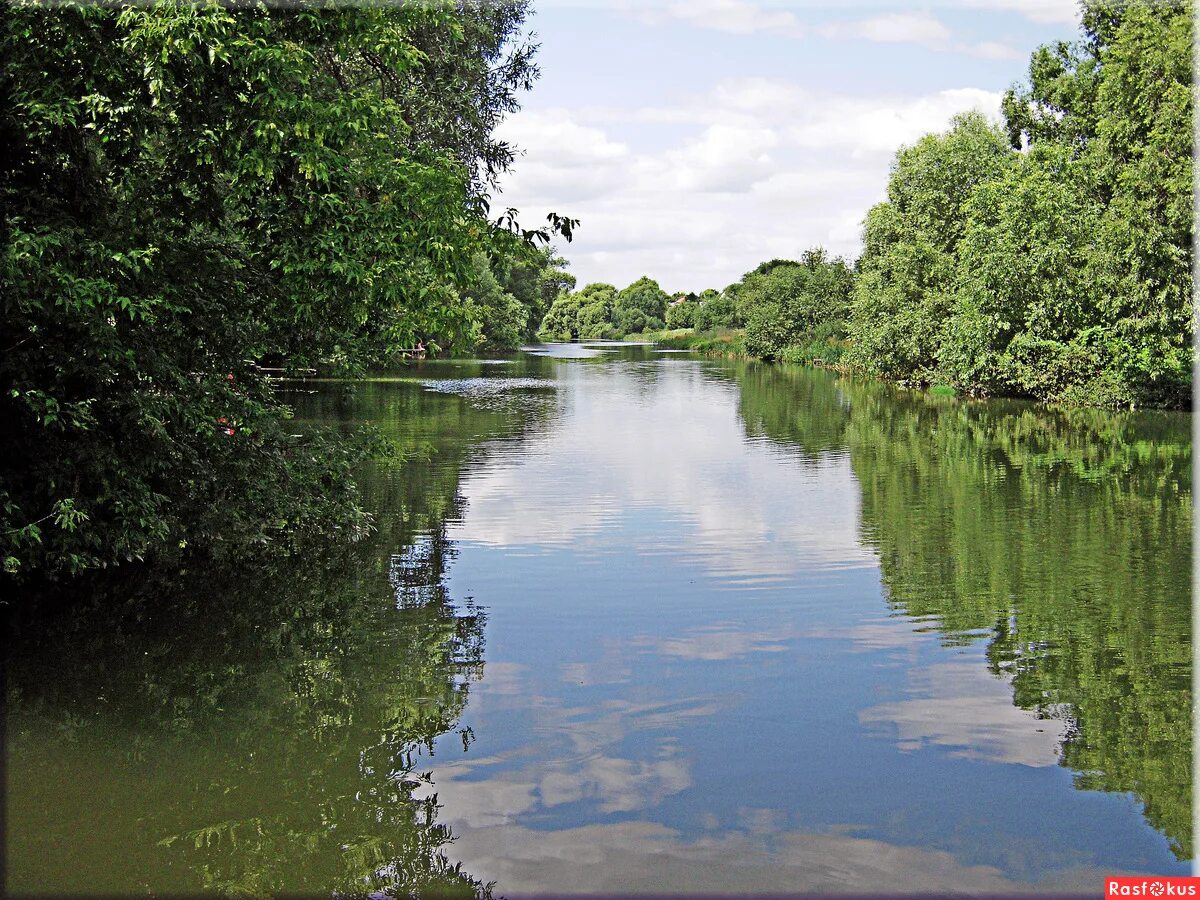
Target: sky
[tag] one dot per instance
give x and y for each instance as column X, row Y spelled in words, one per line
column 694, row 139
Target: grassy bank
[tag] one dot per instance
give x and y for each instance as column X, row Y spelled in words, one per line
column 730, row 343
column 727, row 342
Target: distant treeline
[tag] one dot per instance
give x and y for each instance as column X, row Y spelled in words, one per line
column 1048, row 257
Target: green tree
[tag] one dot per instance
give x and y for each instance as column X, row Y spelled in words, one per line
column 682, row 315
column 784, row 304
column 562, row 320
column 640, row 307
column 1025, row 316
column 465, row 81
column 718, row 310
column 1058, row 103
column 502, row 318
column 905, row 279
column 536, row 278
column 595, row 316
column 1076, row 269
column 1144, row 137
column 189, row 189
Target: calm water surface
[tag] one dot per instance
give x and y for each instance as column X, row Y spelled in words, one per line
column 637, row 621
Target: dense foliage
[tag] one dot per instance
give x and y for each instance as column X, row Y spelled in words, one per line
column 787, row 304
column 192, row 190
column 536, row 279
column 905, row 287
column 1049, row 257
column 640, row 307
column 1059, row 269
column 508, row 295
column 585, row 314
column 599, row 311
column 681, row 312
column 718, row 310
column 783, row 303
column 789, row 310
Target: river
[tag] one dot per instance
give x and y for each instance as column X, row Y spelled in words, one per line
column 634, row 620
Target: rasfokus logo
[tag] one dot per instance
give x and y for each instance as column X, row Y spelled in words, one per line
column 1151, row 887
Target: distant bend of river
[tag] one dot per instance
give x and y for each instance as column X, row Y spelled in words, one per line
column 637, row 621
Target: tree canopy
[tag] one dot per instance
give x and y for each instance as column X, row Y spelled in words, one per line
column 640, row 307
column 1061, row 269
column 1049, row 256
column 193, row 190
column 786, row 303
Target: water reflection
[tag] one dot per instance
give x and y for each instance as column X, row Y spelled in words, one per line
column 960, row 706
column 255, row 747
column 1065, row 538
column 637, row 857
column 748, row 629
column 722, row 532
column 1061, row 539
column 653, row 453
column 266, row 729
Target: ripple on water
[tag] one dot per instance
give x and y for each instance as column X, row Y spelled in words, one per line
column 486, row 387
column 571, row 351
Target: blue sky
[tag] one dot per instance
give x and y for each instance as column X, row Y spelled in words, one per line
column 695, row 139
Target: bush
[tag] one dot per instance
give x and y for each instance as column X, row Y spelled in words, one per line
column 682, row 315
column 784, row 304
column 717, row 311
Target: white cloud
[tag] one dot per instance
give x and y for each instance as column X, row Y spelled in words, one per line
column 993, row 50
column 965, row 708
column 917, row 28
column 573, row 145
column 569, row 161
column 729, row 16
column 1044, row 12
column 727, row 157
column 745, row 17
column 892, row 28
column 901, row 26
column 878, row 126
column 758, row 167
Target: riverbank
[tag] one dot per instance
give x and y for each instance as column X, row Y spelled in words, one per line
column 683, row 525
column 730, row 343
column 725, row 342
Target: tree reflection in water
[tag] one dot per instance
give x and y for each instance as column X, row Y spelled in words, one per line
column 1063, row 538
column 258, row 728
column 266, row 729
column 269, row 741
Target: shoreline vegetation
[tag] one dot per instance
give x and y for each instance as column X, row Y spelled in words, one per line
column 1046, row 257
column 197, row 196
column 730, row 343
